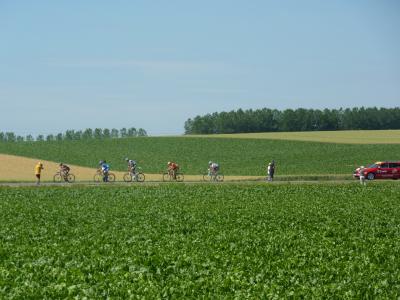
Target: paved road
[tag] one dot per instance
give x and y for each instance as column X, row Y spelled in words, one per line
column 149, row 183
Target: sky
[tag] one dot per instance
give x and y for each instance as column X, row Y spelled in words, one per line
column 154, row 64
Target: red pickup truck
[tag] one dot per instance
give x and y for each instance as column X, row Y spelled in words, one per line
column 380, row 170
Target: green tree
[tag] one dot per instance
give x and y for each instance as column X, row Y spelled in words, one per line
column 10, row 137
column 69, row 135
column 106, row 133
column 141, row 132
column 50, row 138
column 132, row 132
column 114, row 133
column 123, row 132
column 87, row 134
column 78, row 135
column 98, row 133
column 59, row 137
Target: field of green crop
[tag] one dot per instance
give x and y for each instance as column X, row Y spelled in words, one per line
column 236, row 156
column 201, row 241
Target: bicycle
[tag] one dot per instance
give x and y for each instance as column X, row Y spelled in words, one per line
column 169, row 176
column 216, row 177
column 67, row 177
column 99, row 176
column 137, row 176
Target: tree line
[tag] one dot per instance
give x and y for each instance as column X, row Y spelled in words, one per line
column 70, row 135
column 273, row 120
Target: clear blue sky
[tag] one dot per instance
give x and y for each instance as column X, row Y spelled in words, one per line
column 153, row 64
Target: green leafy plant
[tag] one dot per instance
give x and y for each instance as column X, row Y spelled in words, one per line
column 201, row 241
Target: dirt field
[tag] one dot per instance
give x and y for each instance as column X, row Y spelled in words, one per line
column 345, row 137
column 17, row 168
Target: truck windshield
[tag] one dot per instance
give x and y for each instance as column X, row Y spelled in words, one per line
column 373, row 166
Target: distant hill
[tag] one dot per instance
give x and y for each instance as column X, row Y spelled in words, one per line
column 237, row 156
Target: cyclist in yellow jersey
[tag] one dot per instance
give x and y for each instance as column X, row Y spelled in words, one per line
column 38, row 171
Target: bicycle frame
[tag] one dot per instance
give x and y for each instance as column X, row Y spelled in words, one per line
column 63, row 174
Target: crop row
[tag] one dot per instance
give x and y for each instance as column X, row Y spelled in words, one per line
column 175, row 241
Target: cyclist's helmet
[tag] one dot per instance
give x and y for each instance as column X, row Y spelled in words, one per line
column 126, row 159
column 101, row 162
column 169, row 163
column 210, row 162
column 61, row 164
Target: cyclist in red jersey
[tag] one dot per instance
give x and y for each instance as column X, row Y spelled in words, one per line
column 173, row 168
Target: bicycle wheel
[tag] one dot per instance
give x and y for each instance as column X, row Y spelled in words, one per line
column 57, row 177
column 166, row 177
column 140, row 177
column 70, row 178
column 220, row 177
column 97, row 177
column 111, row 177
column 206, row 177
column 179, row 177
column 127, row 177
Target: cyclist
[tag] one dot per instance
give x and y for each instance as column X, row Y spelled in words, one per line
column 131, row 165
column 213, row 168
column 64, row 170
column 173, row 168
column 105, row 168
column 100, row 164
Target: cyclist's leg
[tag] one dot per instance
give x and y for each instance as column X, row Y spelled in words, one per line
column 105, row 176
column 135, row 173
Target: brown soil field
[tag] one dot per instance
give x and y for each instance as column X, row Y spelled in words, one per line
column 345, row 136
column 17, row 168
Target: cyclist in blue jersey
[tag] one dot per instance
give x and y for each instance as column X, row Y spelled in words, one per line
column 105, row 168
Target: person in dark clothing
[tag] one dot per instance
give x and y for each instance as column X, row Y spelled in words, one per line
column 271, row 171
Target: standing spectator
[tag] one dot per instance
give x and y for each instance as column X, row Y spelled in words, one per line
column 362, row 175
column 271, row 171
column 38, row 171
